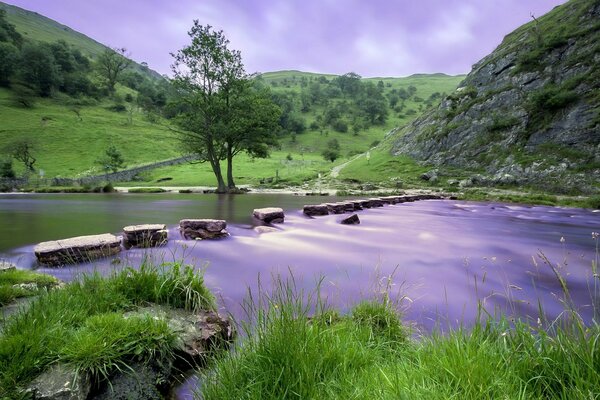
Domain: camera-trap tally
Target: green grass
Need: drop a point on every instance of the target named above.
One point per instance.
(82, 325)
(382, 167)
(297, 348)
(17, 276)
(70, 147)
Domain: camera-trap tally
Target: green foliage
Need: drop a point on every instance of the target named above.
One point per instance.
(112, 160)
(287, 355)
(6, 169)
(381, 319)
(108, 342)
(502, 122)
(14, 277)
(543, 104)
(76, 324)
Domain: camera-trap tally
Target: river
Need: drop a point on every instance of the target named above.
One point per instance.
(444, 256)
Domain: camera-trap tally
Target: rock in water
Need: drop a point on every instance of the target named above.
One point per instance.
(351, 220)
(60, 382)
(318, 209)
(203, 228)
(77, 249)
(147, 235)
(269, 215)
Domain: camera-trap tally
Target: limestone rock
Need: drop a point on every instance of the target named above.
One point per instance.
(60, 382)
(336, 208)
(318, 209)
(203, 228)
(77, 249)
(6, 266)
(147, 235)
(351, 220)
(269, 215)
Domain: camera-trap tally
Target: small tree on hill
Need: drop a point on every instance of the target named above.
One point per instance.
(111, 63)
(23, 149)
(332, 152)
(112, 160)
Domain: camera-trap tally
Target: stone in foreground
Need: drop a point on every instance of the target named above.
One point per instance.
(336, 208)
(6, 266)
(316, 209)
(269, 215)
(203, 228)
(77, 249)
(147, 235)
(351, 220)
(60, 382)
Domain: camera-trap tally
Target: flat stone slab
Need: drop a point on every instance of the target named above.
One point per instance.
(77, 249)
(269, 214)
(376, 202)
(6, 266)
(336, 208)
(197, 229)
(146, 235)
(315, 209)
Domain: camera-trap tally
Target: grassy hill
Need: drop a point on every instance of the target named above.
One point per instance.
(68, 146)
(34, 26)
(72, 133)
(299, 158)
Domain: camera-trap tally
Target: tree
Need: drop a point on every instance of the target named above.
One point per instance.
(23, 149)
(112, 160)
(6, 169)
(9, 57)
(111, 63)
(332, 152)
(220, 112)
(38, 68)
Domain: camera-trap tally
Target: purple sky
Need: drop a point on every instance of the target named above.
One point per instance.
(369, 37)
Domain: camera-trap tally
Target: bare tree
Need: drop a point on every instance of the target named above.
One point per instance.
(111, 63)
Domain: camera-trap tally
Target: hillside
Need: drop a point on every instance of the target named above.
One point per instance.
(34, 26)
(527, 114)
(299, 157)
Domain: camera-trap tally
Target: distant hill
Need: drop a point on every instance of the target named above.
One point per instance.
(528, 113)
(38, 27)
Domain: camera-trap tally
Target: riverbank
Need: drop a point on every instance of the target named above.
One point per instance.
(297, 347)
(131, 332)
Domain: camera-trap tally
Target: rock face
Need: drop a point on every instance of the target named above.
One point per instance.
(148, 235)
(528, 113)
(269, 215)
(318, 209)
(203, 228)
(77, 249)
(60, 382)
(351, 220)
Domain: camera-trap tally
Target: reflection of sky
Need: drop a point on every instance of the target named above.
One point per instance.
(444, 255)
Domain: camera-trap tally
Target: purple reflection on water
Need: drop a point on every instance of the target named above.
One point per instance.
(445, 257)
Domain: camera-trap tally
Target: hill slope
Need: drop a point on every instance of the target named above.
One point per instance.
(528, 113)
(37, 27)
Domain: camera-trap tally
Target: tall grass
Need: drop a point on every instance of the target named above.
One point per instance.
(82, 325)
(297, 348)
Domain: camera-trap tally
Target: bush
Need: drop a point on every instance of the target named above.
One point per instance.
(339, 126)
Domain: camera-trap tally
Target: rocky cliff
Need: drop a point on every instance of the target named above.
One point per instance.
(528, 113)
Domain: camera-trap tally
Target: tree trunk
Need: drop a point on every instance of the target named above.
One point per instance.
(216, 167)
(230, 181)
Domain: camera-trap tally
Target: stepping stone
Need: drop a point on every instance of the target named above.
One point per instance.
(351, 220)
(376, 202)
(336, 208)
(269, 215)
(203, 228)
(147, 235)
(315, 209)
(78, 249)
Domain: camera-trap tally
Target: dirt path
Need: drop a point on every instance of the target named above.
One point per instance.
(335, 171)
